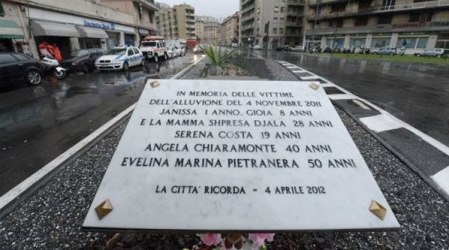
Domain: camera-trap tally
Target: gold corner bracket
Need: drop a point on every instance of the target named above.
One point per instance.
(103, 209)
(377, 209)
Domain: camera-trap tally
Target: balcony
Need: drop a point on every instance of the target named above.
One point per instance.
(149, 4)
(383, 28)
(248, 8)
(413, 6)
(294, 23)
(247, 27)
(382, 9)
(247, 17)
(296, 2)
(325, 2)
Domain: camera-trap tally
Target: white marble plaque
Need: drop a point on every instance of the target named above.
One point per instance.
(237, 155)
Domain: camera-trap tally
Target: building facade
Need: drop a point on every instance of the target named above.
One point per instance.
(407, 24)
(271, 24)
(74, 25)
(230, 30)
(210, 32)
(177, 23)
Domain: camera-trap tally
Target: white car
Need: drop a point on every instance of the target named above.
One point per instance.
(171, 51)
(120, 59)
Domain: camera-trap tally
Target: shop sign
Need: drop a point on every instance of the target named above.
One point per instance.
(99, 25)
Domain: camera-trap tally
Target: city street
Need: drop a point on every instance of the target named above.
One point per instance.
(37, 124)
(415, 93)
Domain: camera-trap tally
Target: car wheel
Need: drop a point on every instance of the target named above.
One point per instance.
(438, 55)
(60, 75)
(155, 58)
(142, 63)
(125, 66)
(392, 54)
(85, 69)
(33, 77)
(418, 55)
(165, 57)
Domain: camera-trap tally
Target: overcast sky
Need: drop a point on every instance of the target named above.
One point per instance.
(215, 8)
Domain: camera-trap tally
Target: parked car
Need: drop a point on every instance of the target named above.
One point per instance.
(256, 47)
(171, 52)
(120, 58)
(178, 50)
(16, 67)
(431, 52)
(183, 49)
(297, 49)
(154, 47)
(197, 49)
(82, 60)
(283, 48)
(387, 51)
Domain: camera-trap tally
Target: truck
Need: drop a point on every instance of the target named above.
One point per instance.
(154, 48)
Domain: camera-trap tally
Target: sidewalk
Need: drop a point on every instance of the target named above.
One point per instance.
(52, 216)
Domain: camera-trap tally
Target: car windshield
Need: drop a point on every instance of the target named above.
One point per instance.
(79, 53)
(116, 52)
(148, 44)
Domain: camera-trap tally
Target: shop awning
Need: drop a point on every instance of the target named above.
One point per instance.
(91, 32)
(10, 30)
(41, 28)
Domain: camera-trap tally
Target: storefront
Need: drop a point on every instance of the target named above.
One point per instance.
(381, 41)
(412, 42)
(78, 32)
(91, 37)
(9, 33)
(113, 39)
(56, 34)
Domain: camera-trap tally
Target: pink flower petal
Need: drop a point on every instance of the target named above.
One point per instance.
(210, 239)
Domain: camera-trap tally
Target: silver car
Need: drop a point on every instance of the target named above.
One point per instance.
(430, 52)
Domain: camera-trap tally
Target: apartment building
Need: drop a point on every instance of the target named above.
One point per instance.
(229, 31)
(271, 23)
(408, 24)
(210, 26)
(73, 25)
(199, 29)
(177, 22)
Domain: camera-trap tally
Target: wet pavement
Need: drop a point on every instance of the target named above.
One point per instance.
(415, 93)
(37, 124)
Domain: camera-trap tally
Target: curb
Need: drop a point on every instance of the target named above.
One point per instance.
(386, 128)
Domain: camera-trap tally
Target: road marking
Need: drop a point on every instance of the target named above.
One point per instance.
(361, 104)
(341, 96)
(34, 178)
(298, 71)
(380, 123)
(442, 179)
(306, 78)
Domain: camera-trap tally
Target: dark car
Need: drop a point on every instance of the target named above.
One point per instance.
(82, 60)
(16, 67)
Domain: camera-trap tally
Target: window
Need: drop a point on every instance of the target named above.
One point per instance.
(136, 51)
(281, 31)
(7, 58)
(336, 24)
(362, 21)
(414, 17)
(422, 43)
(363, 5)
(406, 43)
(275, 30)
(282, 9)
(2, 12)
(150, 17)
(21, 57)
(384, 19)
(130, 52)
(338, 7)
(380, 42)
